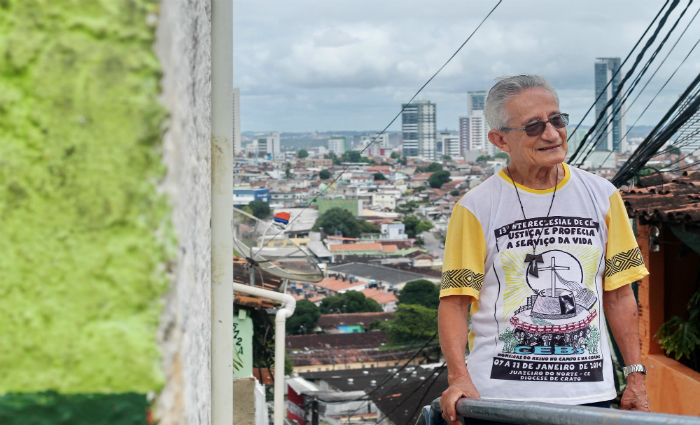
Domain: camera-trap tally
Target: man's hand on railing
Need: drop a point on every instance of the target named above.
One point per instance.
(459, 387)
(635, 395)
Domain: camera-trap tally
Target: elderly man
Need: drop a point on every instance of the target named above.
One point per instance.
(543, 253)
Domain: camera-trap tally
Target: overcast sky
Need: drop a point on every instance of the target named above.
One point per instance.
(331, 65)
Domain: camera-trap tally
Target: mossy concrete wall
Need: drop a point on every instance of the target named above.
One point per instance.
(83, 231)
(184, 49)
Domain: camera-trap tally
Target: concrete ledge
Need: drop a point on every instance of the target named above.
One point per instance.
(672, 387)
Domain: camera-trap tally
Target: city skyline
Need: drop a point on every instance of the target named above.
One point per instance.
(349, 66)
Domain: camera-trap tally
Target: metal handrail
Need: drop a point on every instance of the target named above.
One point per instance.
(527, 412)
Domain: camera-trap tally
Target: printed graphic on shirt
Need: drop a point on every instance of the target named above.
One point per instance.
(549, 301)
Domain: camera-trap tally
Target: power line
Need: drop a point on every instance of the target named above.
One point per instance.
(396, 117)
(618, 70)
(435, 377)
(620, 86)
(647, 83)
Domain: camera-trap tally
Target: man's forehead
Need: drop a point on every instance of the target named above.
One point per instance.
(533, 105)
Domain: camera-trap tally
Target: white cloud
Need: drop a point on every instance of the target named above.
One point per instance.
(348, 65)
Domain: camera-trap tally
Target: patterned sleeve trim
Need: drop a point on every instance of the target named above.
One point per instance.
(461, 278)
(619, 262)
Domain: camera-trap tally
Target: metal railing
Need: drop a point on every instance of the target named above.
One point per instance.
(525, 412)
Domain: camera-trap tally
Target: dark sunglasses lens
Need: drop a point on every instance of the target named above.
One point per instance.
(535, 129)
(559, 122)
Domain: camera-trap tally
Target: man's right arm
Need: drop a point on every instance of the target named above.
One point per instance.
(453, 328)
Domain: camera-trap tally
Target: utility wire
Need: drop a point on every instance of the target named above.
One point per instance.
(419, 405)
(620, 86)
(397, 116)
(619, 69)
(434, 377)
(637, 79)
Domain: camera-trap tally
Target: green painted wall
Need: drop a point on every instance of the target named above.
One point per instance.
(51, 408)
(243, 343)
(83, 233)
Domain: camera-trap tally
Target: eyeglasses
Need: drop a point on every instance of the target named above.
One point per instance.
(537, 128)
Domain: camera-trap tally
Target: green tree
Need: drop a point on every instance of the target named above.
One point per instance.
(407, 207)
(379, 176)
(341, 219)
(353, 156)
(395, 155)
(502, 155)
(420, 292)
(403, 161)
(446, 158)
(349, 302)
(288, 171)
(420, 188)
(437, 179)
(288, 365)
(303, 154)
(247, 209)
(413, 324)
(304, 319)
(324, 175)
(674, 150)
(430, 168)
(454, 193)
(483, 158)
(260, 209)
(416, 226)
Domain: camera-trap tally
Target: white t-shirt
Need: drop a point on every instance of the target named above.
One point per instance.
(526, 344)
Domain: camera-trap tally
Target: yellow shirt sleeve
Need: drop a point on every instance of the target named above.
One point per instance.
(465, 255)
(623, 260)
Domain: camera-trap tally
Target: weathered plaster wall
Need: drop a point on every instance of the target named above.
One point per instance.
(183, 47)
(83, 231)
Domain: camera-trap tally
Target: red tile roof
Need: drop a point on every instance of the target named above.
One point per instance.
(380, 296)
(356, 247)
(673, 201)
(337, 284)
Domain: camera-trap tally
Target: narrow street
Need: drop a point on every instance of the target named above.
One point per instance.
(432, 244)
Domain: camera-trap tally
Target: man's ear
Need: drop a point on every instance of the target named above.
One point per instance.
(496, 138)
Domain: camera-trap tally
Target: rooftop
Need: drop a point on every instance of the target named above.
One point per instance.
(379, 273)
(675, 201)
(356, 247)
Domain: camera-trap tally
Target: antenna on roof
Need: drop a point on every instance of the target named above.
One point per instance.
(287, 261)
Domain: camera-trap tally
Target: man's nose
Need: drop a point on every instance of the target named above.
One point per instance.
(550, 133)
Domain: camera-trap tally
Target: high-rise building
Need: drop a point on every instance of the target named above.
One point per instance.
(609, 137)
(473, 129)
(337, 145)
(236, 121)
(479, 133)
(418, 125)
(378, 147)
(476, 99)
(270, 145)
(463, 135)
(448, 144)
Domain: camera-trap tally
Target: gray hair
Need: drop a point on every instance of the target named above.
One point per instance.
(507, 88)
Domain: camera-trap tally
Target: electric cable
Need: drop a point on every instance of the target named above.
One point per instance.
(396, 117)
(620, 86)
(627, 109)
(419, 405)
(434, 377)
(663, 131)
(620, 67)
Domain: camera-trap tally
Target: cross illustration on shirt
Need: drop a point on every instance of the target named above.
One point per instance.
(553, 268)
